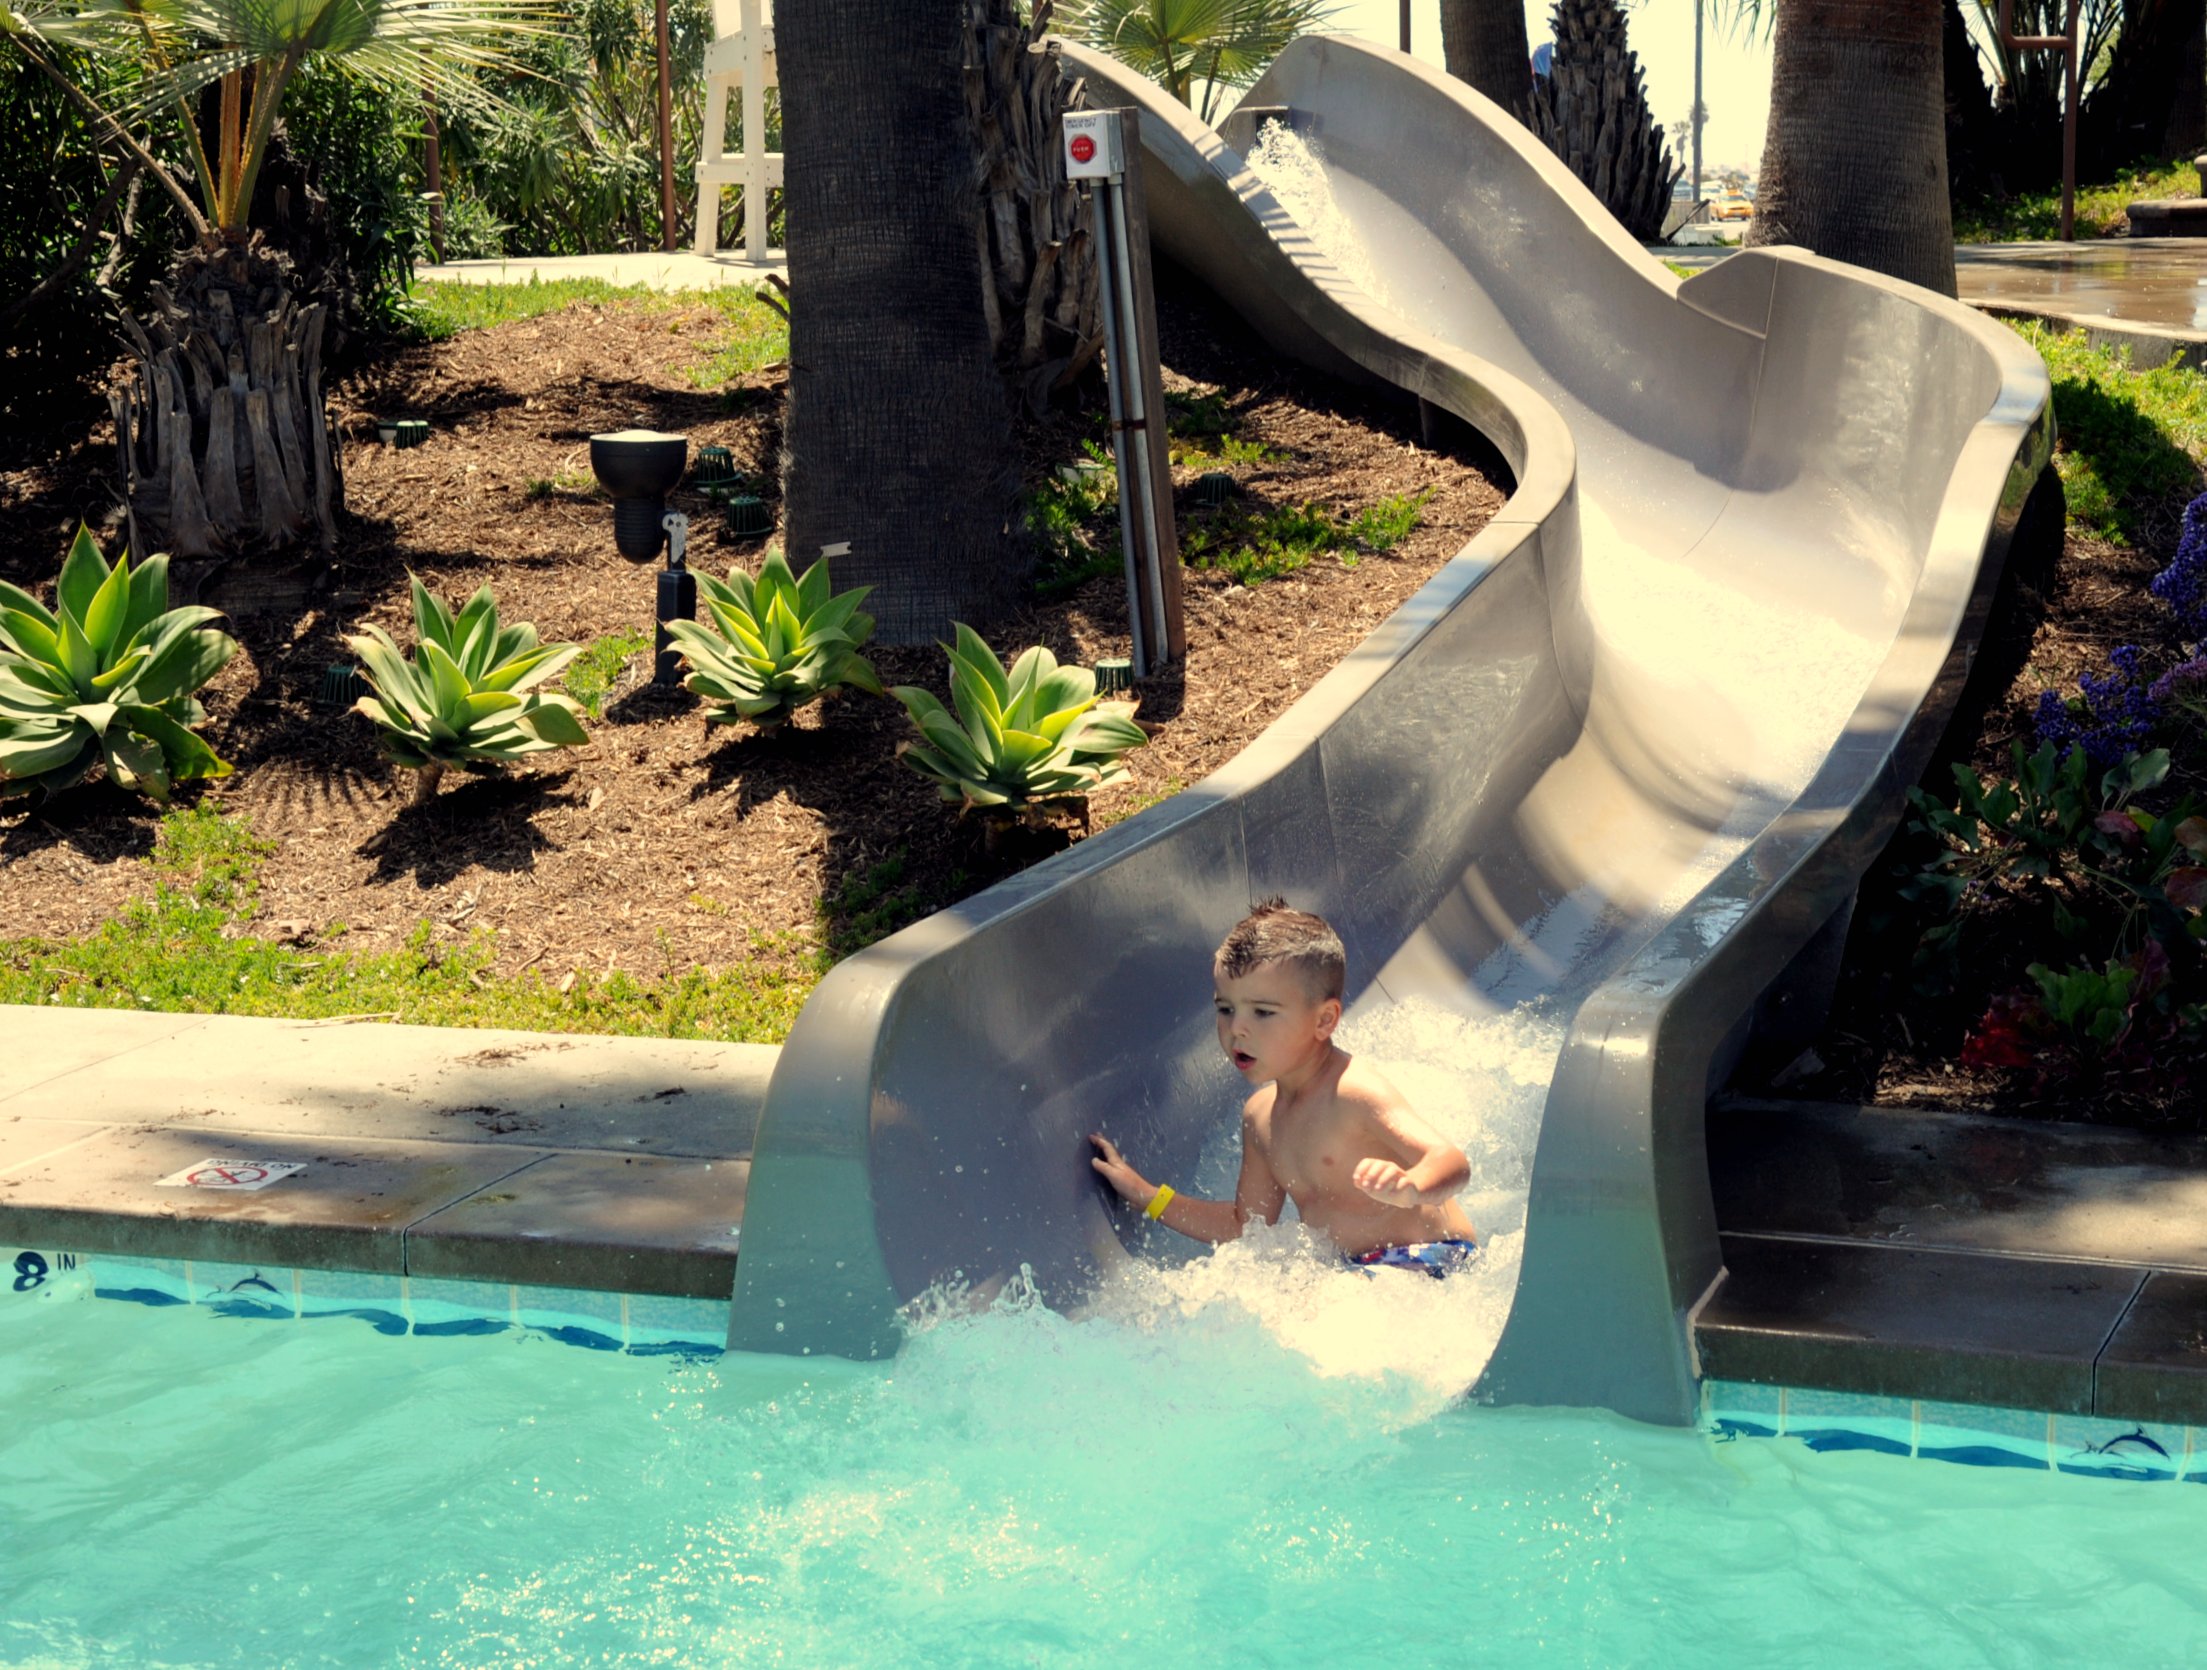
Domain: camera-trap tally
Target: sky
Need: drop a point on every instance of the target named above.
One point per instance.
(1735, 68)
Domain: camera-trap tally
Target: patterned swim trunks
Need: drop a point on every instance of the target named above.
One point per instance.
(1433, 1258)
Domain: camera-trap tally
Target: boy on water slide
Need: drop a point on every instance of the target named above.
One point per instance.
(1322, 1129)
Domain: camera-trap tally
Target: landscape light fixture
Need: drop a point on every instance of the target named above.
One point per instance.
(638, 467)
(677, 601)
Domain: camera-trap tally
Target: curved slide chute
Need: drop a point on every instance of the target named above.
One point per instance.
(1628, 752)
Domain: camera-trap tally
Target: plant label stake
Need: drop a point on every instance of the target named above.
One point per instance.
(677, 600)
(1104, 147)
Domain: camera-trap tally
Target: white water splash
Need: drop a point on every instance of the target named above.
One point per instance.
(1296, 173)
(1415, 1343)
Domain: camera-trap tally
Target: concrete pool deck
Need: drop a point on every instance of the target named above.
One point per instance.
(614, 1164)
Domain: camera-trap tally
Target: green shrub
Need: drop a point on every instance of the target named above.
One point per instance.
(108, 674)
(774, 643)
(466, 698)
(1018, 741)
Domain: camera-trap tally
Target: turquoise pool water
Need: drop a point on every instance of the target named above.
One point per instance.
(1193, 1473)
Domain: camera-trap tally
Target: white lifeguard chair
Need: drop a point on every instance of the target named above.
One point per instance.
(740, 59)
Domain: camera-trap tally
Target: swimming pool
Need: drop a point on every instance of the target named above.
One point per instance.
(1191, 1473)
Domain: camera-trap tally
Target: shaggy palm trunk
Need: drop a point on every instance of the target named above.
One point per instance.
(1854, 160)
(1483, 42)
(224, 443)
(1592, 111)
(1042, 297)
(2150, 102)
(898, 453)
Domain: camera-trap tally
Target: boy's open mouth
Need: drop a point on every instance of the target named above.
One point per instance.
(1243, 1059)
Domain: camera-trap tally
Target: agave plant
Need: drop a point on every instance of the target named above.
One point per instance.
(467, 696)
(107, 674)
(775, 643)
(1019, 739)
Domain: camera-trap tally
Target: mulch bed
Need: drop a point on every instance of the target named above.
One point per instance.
(668, 844)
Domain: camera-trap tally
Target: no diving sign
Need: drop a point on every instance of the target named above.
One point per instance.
(238, 1175)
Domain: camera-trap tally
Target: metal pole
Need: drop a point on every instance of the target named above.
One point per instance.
(1697, 104)
(1405, 25)
(1115, 384)
(1137, 418)
(2065, 44)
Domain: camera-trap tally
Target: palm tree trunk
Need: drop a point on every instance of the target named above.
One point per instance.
(1483, 42)
(898, 433)
(225, 443)
(1043, 301)
(2149, 104)
(1854, 160)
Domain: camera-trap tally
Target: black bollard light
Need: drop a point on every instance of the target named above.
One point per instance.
(677, 601)
(638, 467)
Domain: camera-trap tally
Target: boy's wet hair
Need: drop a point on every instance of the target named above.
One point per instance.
(1274, 933)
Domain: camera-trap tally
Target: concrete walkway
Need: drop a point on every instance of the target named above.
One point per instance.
(612, 1164)
(681, 270)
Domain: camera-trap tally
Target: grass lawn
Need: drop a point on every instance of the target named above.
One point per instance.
(185, 949)
(2099, 208)
(2129, 440)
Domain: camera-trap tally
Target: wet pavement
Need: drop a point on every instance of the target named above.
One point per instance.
(2160, 282)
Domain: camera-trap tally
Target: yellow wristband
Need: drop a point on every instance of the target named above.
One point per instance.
(1159, 1201)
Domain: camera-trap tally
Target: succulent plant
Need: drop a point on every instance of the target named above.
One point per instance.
(107, 674)
(774, 643)
(467, 696)
(1019, 739)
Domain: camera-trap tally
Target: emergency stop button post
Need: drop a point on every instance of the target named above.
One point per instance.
(1093, 150)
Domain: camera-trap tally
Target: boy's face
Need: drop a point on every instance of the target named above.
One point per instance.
(1269, 1022)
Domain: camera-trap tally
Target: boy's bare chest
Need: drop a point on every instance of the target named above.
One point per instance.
(1312, 1150)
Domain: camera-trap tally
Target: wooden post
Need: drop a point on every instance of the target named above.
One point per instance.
(666, 128)
(433, 166)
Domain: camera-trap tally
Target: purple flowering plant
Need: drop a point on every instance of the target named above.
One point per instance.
(2115, 715)
(2183, 584)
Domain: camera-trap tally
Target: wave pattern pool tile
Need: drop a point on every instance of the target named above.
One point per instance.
(266, 1287)
(1979, 1435)
(344, 1211)
(2155, 1368)
(1956, 1327)
(655, 1319)
(616, 1223)
(573, 1316)
(1850, 1421)
(2118, 1449)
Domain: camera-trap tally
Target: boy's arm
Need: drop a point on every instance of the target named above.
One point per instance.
(1257, 1194)
(1438, 1170)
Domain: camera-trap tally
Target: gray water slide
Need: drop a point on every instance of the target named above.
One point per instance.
(1627, 753)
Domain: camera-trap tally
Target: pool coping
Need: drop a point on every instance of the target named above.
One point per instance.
(1910, 1255)
(614, 1165)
